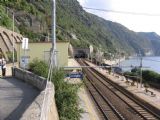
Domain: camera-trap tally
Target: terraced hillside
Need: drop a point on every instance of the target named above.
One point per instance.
(7, 37)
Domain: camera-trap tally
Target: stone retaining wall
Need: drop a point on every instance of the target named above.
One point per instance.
(7, 37)
(31, 78)
(33, 112)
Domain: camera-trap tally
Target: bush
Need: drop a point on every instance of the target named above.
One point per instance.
(148, 76)
(151, 76)
(66, 97)
(136, 70)
(10, 56)
(65, 94)
(39, 67)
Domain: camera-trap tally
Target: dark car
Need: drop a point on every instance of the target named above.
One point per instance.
(117, 70)
(105, 66)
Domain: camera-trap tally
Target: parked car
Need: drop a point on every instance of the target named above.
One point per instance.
(117, 70)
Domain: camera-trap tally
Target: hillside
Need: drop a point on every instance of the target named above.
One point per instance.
(154, 39)
(33, 19)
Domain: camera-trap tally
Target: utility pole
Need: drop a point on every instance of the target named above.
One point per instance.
(13, 60)
(54, 33)
(141, 71)
(119, 57)
(140, 55)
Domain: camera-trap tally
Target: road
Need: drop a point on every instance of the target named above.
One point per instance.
(15, 97)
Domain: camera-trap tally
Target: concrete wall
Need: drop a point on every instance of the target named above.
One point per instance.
(35, 111)
(31, 78)
(41, 51)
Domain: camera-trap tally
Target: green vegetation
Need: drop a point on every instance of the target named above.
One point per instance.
(5, 20)
(35, 21)
(20, 5)
(30, 17)
(66, 97)
(149, 77)
(65, 94)
(10, 56)
(39, 67)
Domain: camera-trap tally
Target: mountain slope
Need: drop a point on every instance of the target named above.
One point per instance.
(154, 39)
(100, 32)
(33, 19)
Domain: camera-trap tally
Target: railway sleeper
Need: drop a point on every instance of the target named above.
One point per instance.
(108, 109)
(111, 116)
(104, 105)
(144, 113)
(149, 116)
(141, 110)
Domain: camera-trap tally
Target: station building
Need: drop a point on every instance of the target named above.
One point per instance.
(41, 51)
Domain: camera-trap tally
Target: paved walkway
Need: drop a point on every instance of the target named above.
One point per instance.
(15, 97)
(140, 92)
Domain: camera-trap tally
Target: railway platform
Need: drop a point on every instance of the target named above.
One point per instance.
(140, 92)
(85, 101)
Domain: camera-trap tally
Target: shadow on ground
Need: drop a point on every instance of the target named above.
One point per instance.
(15, 98)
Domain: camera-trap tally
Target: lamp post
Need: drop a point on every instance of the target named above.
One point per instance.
(13, 60)
(54, 33)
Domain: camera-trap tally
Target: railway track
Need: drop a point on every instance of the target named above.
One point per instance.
(114, 102)
(107, 110)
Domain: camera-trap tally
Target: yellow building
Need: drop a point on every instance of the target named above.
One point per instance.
(41, 51)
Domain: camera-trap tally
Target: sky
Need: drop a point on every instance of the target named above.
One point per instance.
(137, 23)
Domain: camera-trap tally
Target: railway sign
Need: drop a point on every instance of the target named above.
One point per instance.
(76, 75)
(24, 61)
(25, 43)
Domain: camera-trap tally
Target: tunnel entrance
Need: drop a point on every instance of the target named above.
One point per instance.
(81, 52)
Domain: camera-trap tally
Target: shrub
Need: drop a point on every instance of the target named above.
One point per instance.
(151, 76)
(10, 56)
(66, 97)
(136, 70)
(65, 94)
(39, 67)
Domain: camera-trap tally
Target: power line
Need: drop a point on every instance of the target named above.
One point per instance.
(146, 59)
(116, 11)
(63, 29)
(121, 12)
(151, 60)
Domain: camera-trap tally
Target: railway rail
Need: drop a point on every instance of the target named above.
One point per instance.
(114, 102)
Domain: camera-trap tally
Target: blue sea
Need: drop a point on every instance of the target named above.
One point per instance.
(151, 63)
